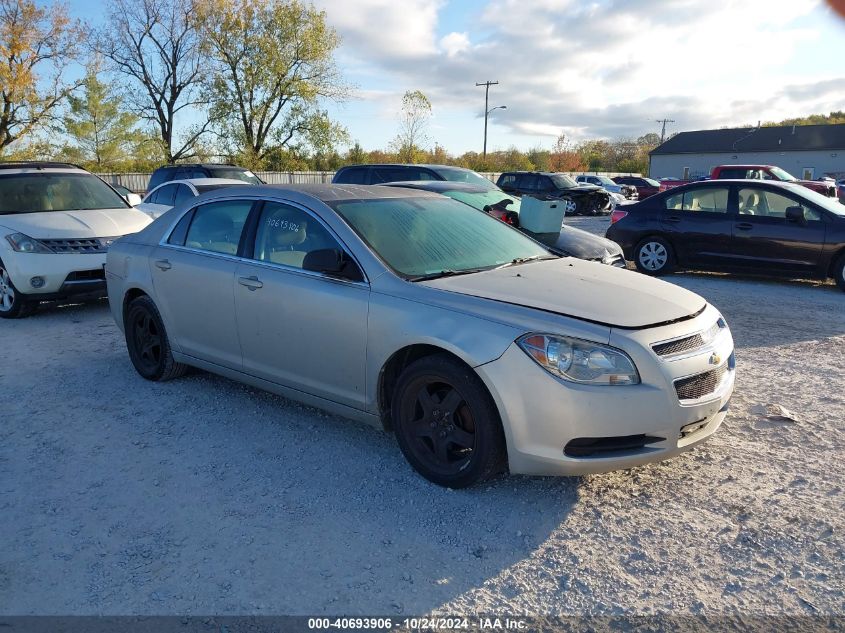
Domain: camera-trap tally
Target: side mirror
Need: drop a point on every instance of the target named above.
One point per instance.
(332, 262)
(796, 214)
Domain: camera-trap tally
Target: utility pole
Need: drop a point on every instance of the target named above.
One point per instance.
(486, 85)
(663, 130)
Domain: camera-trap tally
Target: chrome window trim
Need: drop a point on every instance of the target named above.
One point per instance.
(163, 243)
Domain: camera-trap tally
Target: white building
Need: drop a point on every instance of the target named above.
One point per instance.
(805, 151)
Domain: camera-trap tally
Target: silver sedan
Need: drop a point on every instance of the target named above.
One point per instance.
(477, 347)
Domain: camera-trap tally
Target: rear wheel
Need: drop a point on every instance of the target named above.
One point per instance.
(147, 342)
(13, 304)
(569, 206)
(654, 256)
(447, 424)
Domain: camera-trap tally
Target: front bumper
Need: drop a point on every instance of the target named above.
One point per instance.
(543, 415)
(64, 275)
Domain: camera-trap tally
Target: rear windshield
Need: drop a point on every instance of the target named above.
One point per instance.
(453, 174)
(56, 191)
(204, 188)
(235, 174)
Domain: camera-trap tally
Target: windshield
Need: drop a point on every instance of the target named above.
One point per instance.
(652, 182)
(830, 204)
(56, 191)
(606, 181)
(780, 174)
(480, 199)
(453, 174)
(562, 181)
(427, 236)
(235, 174)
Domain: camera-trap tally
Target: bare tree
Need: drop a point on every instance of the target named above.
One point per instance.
(36, 47)
(413, 125)
(155, 45)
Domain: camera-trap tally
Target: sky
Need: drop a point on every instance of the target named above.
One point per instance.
(600, 69)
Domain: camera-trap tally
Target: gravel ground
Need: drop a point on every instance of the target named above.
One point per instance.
(202, 496)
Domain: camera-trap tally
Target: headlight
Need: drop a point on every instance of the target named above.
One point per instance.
(580, 361)
(25, 244)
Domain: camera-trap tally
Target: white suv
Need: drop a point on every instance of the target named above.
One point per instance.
(56, 224)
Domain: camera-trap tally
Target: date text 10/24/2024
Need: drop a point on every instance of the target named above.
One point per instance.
(420, 624)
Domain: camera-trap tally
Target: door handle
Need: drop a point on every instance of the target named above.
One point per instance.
(672, 218)
(163, 264)
(744, 226)
(250, 282)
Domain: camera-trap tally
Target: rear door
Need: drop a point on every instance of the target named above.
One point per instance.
(698, 223)
(194, 277)
(298, 328)
(764, 238)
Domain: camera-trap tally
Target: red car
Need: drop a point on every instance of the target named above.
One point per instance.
(645, 186)
(769, 172)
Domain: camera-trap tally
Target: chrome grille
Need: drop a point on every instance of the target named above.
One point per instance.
(77, 246)
(700, 385)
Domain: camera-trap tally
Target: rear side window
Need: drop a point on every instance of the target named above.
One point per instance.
(352, 176)
(709, 200)
(180, 232)
(507, 180)
(217, 226)
(165, 195)
(395, 174)
(528, 182)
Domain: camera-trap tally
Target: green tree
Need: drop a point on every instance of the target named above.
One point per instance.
(413, 126)
(36, 47)
(102, 132)
(272, 62)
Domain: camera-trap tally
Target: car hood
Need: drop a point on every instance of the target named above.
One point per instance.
(76, 224)
(584, 290)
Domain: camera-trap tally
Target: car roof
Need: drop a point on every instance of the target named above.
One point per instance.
(39, 165)
(408, 165)
(206, 165)
(198, 182)
(326, 193)
(745, 166)
(740, 181)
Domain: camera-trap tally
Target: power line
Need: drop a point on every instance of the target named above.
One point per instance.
(663, 130)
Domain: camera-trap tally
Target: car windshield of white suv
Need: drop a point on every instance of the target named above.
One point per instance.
(56, 191)
(424, 238)
(464, 175)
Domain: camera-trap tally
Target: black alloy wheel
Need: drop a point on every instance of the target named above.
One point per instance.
(147, 342)
(446, 423)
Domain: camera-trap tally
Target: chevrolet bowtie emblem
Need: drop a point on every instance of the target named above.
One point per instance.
(715, 359)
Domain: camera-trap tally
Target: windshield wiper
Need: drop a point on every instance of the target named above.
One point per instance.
(446, 273)
(524, 260)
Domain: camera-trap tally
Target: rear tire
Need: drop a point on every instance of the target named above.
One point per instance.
(446, 423)
(13, 304)
(654, 256)
(147, 342)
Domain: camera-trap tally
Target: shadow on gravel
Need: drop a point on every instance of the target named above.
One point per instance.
(204, 496)
(765, 312)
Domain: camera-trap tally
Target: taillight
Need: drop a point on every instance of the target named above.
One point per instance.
(617, 215)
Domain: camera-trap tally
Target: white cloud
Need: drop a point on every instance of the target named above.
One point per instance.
(454, 43)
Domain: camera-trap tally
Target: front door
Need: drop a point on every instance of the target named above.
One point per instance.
(764, 238)
(299, 328)
(194, 277)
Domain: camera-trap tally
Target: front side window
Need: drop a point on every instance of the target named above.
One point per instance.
(709, 200)
(183, 193)
(285, 235)
(217, 226)
(760, 202)
(430, 236)
(56, 191)
(353, 176)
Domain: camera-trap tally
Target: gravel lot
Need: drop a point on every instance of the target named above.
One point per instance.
(201, 496)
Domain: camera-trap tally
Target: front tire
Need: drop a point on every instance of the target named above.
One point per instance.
(447, 424)
(147, 342)
(654, 256)
(13, 304)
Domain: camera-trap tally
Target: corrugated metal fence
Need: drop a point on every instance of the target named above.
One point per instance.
(138, 182)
